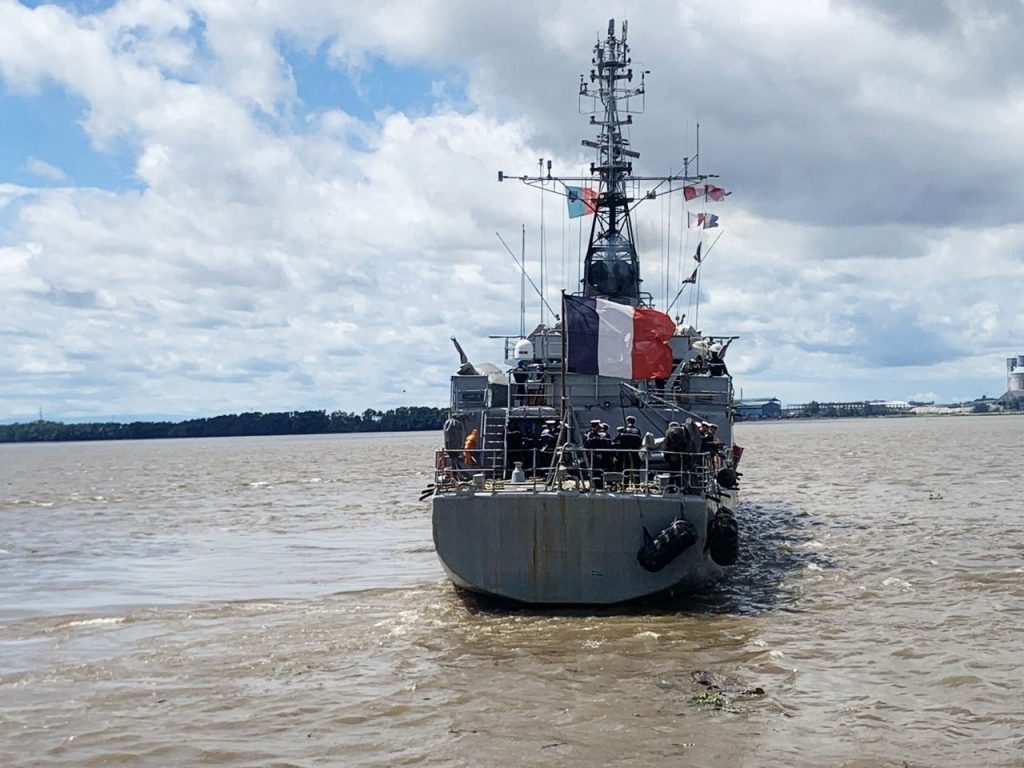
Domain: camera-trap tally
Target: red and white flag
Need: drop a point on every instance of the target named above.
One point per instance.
(716, 193)
(709, 190)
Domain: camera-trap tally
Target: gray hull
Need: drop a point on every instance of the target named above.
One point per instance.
(565, 547)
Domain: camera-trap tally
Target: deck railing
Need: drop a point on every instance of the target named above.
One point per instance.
(573, 467)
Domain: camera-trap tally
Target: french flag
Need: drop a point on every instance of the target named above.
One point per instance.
(611, 339)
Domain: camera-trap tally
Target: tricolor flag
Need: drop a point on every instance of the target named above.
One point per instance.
(692, 279)
(611, 339)
(582, 201)
(705, 220)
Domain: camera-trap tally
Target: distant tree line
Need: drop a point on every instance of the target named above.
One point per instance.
(405, 419)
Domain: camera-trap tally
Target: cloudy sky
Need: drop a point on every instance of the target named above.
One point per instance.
(211, 207)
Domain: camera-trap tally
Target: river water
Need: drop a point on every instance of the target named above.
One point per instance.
(277, 602)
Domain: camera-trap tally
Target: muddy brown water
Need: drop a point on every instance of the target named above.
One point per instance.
(277, 602)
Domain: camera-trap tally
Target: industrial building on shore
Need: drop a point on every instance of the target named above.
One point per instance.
(1014, 396)
(764, 408)
(758, 409)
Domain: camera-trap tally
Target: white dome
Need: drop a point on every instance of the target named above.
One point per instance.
(524, 350)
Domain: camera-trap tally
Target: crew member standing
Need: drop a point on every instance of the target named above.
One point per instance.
(675, 446)
(546, 444)
(595, 440)
(520, 375)
(716, 359)
(604, 444)
(469, 449)
(454, 438)
(709, 442)
(630, 440)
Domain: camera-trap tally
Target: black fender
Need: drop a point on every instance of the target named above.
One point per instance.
(723, 537)
(658, 551)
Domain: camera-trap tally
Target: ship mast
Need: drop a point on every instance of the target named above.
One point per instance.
(611, 268)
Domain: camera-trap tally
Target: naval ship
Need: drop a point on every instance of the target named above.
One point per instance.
(598, 466)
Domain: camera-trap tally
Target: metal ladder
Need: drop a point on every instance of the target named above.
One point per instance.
(494, 444)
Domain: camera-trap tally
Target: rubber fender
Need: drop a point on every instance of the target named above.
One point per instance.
(728, 478)
(658, 551)
(724, 537)
(670, 490)
(464, 489)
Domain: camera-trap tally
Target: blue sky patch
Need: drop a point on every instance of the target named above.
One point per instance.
(78, 7)
(379, 85)
(46, 125)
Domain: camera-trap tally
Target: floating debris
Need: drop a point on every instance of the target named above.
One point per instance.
(713, 699)
(716, 696)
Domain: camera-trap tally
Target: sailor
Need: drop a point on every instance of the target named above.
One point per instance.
(469, 448)
(691, 458)
(520, 374)
(704, 427)
(604, 445)
(675, 446)
(618, 462)
(630, 441)
(709, 442)
(454, 438)
(716, 362)
(592, 434)
(594, 443)
(546, 443)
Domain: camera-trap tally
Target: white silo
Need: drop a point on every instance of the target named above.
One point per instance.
(1015, 377)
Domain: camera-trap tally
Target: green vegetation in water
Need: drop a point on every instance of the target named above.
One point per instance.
(713, 699)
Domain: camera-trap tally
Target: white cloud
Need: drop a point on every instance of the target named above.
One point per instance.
(278, 259)
(44, 170)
